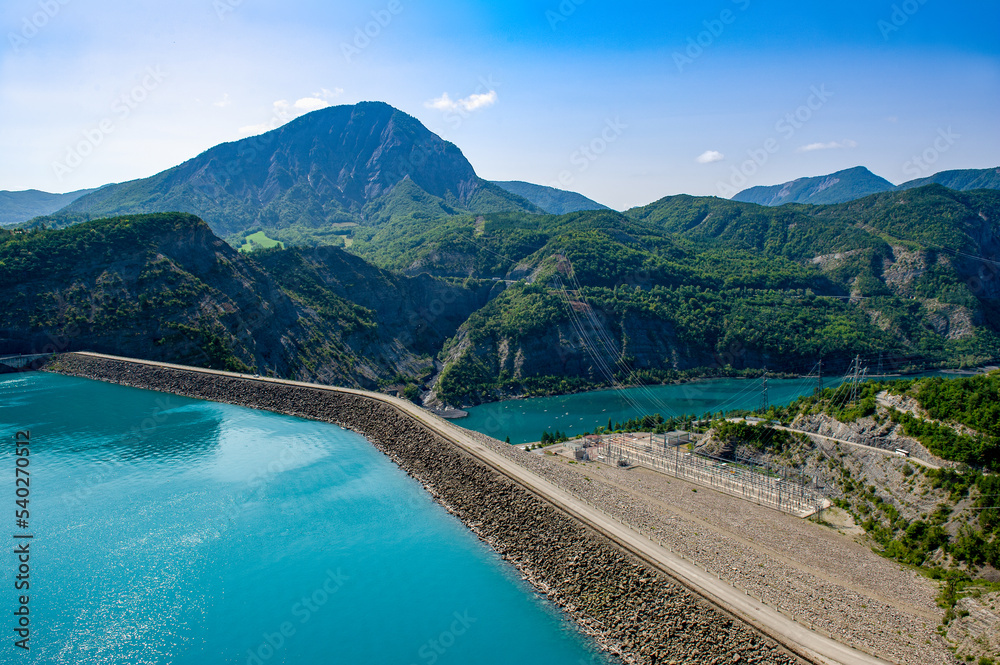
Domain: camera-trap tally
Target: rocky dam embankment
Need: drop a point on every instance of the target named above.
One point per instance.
(630, 608)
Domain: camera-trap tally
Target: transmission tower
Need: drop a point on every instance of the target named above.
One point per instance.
(763, 394)
(856, 378)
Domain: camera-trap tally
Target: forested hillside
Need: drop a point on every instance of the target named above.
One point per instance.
(549, 199)
(473, 307)
(944, 520)
(702, 285)
(164, 287)
(960, 179)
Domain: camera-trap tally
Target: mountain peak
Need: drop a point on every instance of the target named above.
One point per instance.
(845, 185)
(318, 170)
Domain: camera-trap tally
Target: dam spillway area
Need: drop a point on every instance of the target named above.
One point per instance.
(630, 608)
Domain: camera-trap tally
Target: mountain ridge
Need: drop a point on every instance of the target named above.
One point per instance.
(318, 170)
(959, 179)
(702, 286)
(550, 199)
(845, 185)
(472, 308)
(20, 206)
(858, 182)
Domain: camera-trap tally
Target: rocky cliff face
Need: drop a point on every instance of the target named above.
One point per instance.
(164, 287)
(599, 349)
(417, 314)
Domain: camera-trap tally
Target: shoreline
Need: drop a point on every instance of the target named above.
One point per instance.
(901, 376)
(628, 607)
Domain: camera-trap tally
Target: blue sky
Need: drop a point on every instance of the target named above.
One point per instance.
(625, 102)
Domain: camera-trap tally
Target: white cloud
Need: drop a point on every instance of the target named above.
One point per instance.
(284, 111)
(471, 103)
(307, 104)
(832, 145)
(710, 156)
(224, 102)
(253, 130)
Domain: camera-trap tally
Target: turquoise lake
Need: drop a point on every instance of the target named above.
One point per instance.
(183, 532)
(524, 420)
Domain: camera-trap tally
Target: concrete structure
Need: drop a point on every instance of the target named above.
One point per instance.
(675, 438)
(19, 362)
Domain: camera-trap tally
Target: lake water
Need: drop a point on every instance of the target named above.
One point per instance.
(524, 420)
(183, 532)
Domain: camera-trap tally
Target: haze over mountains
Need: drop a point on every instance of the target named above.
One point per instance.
(961, 179)
(837, 187)
(857, 182)
(17, 207)
(550, 199)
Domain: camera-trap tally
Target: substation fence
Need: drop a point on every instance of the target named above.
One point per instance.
(789, 495)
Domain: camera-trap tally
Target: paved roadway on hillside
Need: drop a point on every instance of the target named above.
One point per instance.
(883, 451)
(807, 643)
